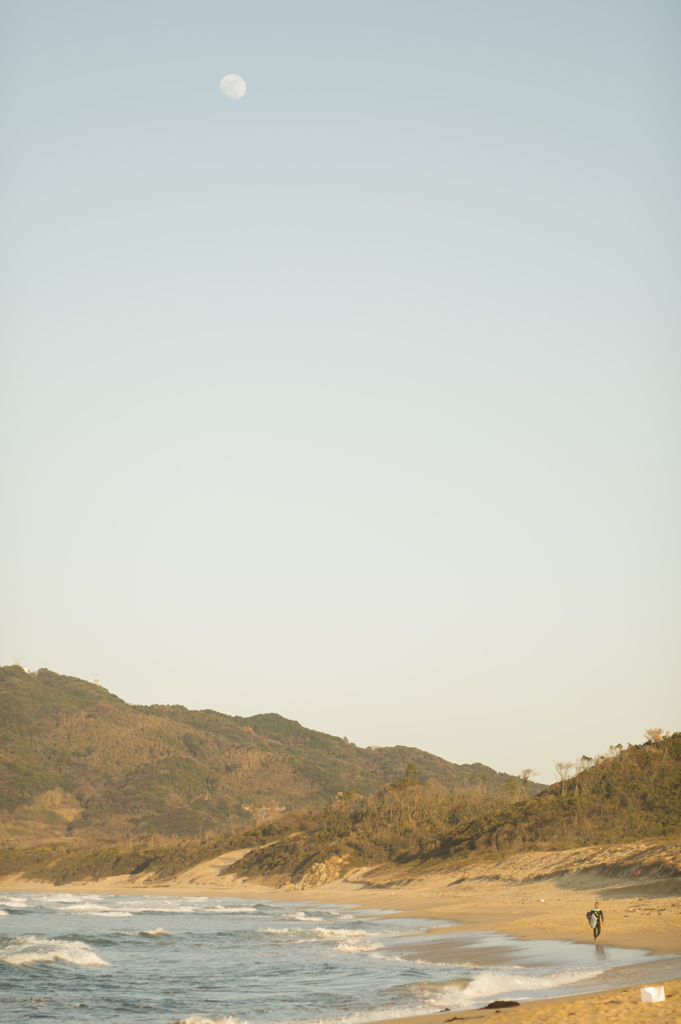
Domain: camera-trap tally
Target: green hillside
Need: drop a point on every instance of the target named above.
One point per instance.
(633, 794)
(77, 761)
(408, 823)
(91, 786)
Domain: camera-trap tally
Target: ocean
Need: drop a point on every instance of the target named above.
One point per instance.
(68, 958)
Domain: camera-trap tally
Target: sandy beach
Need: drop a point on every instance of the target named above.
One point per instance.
(514, 897)
(617, 1006)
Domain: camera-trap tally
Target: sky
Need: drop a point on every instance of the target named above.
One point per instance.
(355, 399)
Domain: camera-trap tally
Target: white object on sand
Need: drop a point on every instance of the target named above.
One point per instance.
(652, 994)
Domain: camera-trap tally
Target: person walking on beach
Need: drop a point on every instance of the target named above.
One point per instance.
(595, 917)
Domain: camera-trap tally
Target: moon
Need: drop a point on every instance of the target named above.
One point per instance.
(233, 87)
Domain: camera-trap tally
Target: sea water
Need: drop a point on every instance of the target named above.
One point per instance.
(69, 957)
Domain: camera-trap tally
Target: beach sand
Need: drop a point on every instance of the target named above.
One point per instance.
(525, 896)
(616, 1006)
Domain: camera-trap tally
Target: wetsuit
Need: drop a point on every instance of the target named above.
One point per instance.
(600, 917)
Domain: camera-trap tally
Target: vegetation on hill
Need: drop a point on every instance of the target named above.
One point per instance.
(625, 795)
(125, 789)
(64, 862)
(631, 794)
(79, 762)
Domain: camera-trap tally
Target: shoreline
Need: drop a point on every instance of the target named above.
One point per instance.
(588, 1006)
(644, 916)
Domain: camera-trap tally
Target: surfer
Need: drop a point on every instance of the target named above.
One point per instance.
(595, 917)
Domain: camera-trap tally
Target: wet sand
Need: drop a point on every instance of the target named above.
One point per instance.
(616, 1006)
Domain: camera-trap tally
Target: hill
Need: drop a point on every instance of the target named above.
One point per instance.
(79, 762)
(409, 827)
(627, 795)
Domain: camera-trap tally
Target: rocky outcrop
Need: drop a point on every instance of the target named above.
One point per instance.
(321, 873)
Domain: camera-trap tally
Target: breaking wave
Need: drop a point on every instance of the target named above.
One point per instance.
(359, 947)
(30, 949)
(461, 993)
(350, 935)
(197, 1018)
(66, 897)
(341, 933)
(185, 969)
(110, 913)
(200, 1019)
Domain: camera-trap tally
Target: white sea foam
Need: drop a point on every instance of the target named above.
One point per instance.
(493, 984)
(341, 933)
(490, 982)
(198, 1018)
(359, 947)
(379, 1013)
(313, 934)
(4, 913)
(182, 906)
(228, 910)
(67, 897)
(424, 963)
(30, 949)
(95, 910)
(109, 913)
(154, 932)
(13, 901)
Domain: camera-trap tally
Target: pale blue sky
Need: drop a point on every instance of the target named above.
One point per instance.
(355, 399)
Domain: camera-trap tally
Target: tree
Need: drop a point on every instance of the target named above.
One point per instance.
(582, 765)
(510, 785)
(655, 735)
(524, 778)
(410, 777)
(563, 772)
